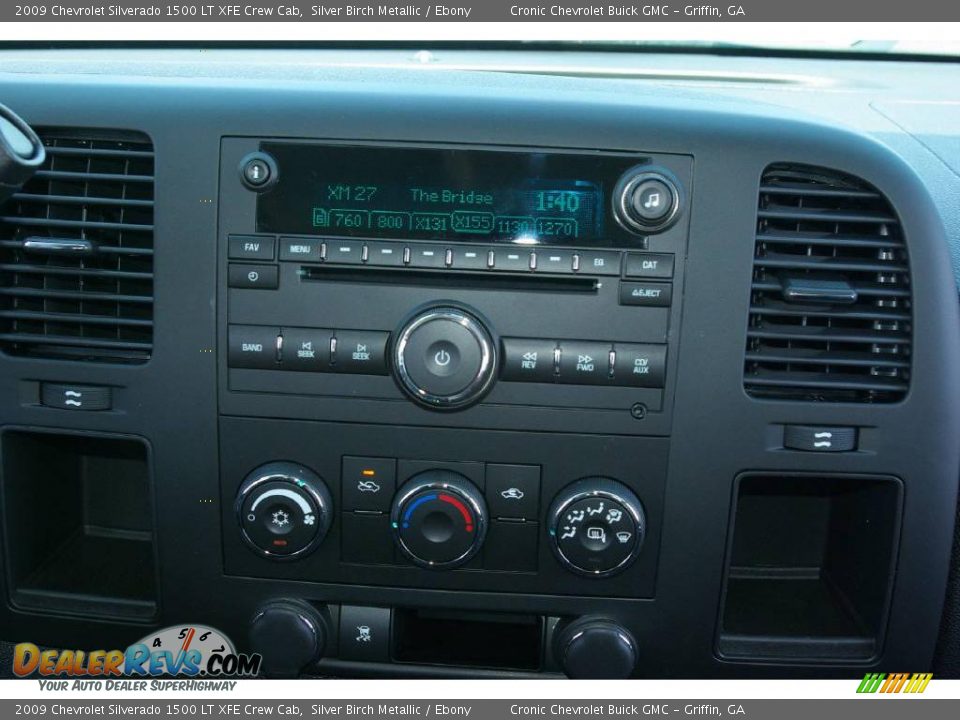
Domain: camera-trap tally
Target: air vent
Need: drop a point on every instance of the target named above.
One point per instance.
(76, 251)
(830, 313)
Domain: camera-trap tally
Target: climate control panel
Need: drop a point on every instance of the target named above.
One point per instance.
(348, 504)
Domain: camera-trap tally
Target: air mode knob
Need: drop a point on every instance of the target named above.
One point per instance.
(444, 358)
(646, 200)
(439, 519)
(596, 649)
(284, 510)
(596, 527)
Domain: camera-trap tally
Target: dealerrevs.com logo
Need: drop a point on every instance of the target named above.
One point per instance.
(192, 651)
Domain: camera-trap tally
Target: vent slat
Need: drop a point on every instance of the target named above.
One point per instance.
(76, 251)
(101, 250)
(74, 271)
(80, 224)
(833, 216)
(821, 228)
(76, 319)
(818, 239)
(99, 152)
(92, 177)
(776, 308)
(80, 295)
(828, 264)
(799, 190)
(80, 200)
(819, 357)
(70, 341)
(829, 382)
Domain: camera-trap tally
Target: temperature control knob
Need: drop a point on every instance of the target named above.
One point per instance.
(439, 519)
(596, 527)
(284, 510)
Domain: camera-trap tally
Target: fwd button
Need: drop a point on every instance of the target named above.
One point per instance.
(584, 363)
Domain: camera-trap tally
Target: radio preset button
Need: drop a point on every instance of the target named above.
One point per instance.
(528, 360)
(649, 265)
(513, 260)
(250, 247)
(597, 262)
(384, 255)
(252, 346)
(470, 258)
(427, 256)
(306, 349)
(640, 365)
(255, 277)
(362, 352)
(554, 261)
(646, 294)
(345, 252)
(584, 363)
(301, 249)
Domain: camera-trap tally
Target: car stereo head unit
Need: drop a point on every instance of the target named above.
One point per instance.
(513, 287)
(461, 195)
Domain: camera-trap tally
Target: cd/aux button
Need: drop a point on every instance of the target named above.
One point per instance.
(640, 365)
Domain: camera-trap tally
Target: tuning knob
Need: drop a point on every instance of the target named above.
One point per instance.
(289, 634)
(596, 527)
(284, 510)
(595, 648)
(439, 519)
(646, 200)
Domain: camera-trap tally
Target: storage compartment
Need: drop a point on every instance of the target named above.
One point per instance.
(79, 524)
(810, 567)
(488, 640)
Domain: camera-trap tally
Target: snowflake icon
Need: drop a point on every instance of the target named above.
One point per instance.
(280, 518)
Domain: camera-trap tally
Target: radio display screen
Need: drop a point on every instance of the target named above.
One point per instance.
(450, 194)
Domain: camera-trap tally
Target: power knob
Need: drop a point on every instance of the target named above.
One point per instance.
(646, 200)
(444, 358)
(284, 510)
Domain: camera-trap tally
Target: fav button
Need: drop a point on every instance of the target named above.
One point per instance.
(251, 247)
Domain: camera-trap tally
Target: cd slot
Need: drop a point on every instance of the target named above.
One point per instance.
(450, 278)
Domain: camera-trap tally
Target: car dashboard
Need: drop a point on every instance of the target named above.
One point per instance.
(485, 363)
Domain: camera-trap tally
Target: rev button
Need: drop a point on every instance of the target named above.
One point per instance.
(527, 360)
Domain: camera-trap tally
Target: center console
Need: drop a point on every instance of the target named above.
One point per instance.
(450, 304)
